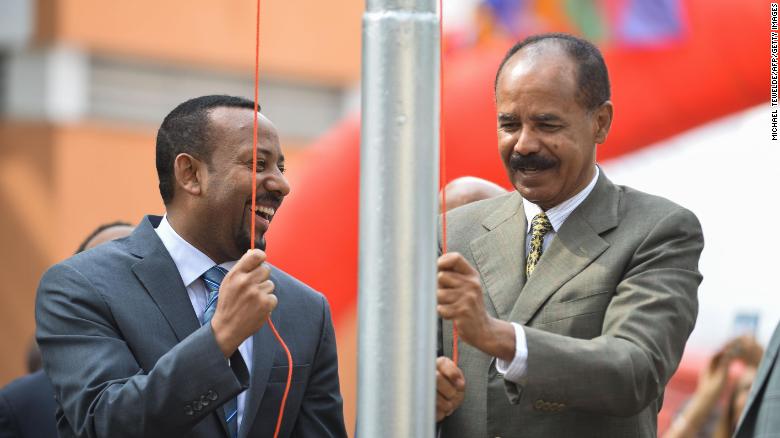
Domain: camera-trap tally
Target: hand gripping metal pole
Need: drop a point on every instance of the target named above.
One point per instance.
(398, 209)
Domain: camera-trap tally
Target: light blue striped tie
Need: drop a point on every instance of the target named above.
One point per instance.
(212, 279)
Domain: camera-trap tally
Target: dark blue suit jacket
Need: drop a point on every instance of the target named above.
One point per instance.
(27, 408)
(128, 358)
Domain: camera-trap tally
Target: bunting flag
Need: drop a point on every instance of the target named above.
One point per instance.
(620, 22)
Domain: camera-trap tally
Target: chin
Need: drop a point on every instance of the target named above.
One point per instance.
(529, 193)
(242, 243)
(533, 195)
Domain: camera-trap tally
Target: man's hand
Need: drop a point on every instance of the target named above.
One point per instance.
(714, 377)
(746, 349)
(450, 387)
(246, 299)
(459, 298)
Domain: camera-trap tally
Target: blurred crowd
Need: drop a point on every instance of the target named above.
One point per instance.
(721, 394)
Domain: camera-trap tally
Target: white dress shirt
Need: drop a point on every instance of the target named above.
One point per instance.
(192, 264)
(515, 370)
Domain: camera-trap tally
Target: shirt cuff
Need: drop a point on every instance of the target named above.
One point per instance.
(515, 370)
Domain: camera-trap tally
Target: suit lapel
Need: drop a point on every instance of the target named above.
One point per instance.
(574, 247)
(576, 244)
(263, 351)
(764, 370)
(499, 257)
(161, 279)
(264, 348)
(159, 275)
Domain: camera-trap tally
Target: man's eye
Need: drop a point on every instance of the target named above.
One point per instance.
(260, 166)
(282, 169)
(548, 127)
(509, 126)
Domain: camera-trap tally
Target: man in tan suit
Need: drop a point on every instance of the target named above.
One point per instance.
(573, 296)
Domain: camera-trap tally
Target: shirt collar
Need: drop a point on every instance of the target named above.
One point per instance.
(190, 261)
(558, 214)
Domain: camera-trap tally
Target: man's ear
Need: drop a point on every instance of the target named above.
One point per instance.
(602, 121)
(189, 174)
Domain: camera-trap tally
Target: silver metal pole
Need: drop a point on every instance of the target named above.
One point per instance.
(398, 207)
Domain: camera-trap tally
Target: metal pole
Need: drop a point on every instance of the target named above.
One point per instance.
(398, 208)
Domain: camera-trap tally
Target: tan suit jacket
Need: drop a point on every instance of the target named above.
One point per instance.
(607, 313)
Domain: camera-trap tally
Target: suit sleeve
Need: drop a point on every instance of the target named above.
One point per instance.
(644, 331)
(321, 413)
(98, 383)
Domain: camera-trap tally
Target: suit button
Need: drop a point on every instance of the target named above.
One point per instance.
(212, 395)
(538, 405)
(188, 410)
(204, 401)
(197, 406)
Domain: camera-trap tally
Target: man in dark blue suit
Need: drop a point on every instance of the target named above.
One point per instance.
(27, 404)
(165, 333)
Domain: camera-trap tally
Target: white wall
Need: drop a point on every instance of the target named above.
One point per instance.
(728, 173)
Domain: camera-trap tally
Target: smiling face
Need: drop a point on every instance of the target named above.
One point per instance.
(225, 204)
(546, 138)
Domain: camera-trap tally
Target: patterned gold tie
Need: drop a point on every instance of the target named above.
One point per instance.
(540, 226)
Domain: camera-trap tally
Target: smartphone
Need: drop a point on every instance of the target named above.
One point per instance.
(745, 323)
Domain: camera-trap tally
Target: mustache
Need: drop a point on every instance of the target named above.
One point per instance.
(535, 161)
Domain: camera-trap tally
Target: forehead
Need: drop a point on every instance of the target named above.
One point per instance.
(231, 129)
(538, 76)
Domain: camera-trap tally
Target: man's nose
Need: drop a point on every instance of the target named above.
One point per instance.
(527, 143)
(277, 183)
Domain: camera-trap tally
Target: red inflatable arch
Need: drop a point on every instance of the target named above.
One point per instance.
(718, 67)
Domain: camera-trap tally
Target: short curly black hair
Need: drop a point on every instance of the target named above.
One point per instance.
(186, 130)
(592, 77)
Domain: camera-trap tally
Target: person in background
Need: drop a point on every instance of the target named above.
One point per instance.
(106, 233)
(468, 189)
(33, 359)
(27, 405)
(701, 416)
